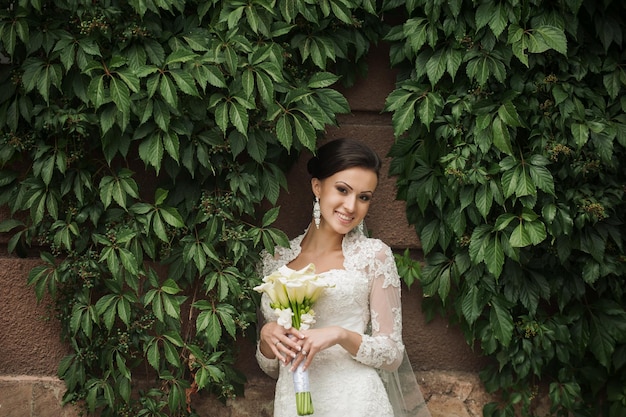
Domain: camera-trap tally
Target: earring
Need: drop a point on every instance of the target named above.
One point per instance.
(316, 212)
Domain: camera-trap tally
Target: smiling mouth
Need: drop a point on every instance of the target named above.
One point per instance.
(344, 218)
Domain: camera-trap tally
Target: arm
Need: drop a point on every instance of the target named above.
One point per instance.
(384, 349)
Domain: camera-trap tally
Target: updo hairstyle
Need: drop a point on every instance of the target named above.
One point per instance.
(340, 154)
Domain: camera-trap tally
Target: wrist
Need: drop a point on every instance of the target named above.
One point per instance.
(349, 340)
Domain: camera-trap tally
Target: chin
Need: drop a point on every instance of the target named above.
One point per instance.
(343, 229)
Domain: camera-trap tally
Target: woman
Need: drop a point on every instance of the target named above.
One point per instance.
(354, 351)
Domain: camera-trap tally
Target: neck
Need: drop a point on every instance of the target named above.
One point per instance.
(322, 240)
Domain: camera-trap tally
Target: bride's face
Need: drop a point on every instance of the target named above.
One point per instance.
(345, 197)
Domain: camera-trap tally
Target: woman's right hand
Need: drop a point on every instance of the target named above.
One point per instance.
(278, 342)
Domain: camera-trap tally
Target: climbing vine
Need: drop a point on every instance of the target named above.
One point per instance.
(141, 139)
(139, 142)
(510, 121)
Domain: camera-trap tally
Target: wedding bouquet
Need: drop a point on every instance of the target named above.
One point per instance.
(292, 294)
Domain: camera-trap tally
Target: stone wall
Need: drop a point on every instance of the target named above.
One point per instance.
(446, 367)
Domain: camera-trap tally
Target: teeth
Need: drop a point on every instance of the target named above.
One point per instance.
(343, 217)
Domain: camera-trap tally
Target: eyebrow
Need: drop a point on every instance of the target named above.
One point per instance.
(348, 185)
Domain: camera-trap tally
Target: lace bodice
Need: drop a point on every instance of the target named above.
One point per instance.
(365, 298)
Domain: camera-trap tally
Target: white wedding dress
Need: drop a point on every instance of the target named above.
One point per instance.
(364, 298)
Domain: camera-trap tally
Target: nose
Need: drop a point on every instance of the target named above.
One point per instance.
(349, 203)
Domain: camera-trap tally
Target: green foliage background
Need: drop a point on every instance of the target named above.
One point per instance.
(140, 139)
(511, 143)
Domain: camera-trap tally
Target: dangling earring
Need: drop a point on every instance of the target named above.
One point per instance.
(361, 228)
(316, 212)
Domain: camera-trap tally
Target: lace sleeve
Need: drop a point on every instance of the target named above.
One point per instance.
(264, 314)
(383, 349)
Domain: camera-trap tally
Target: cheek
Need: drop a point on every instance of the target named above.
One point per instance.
(364, 207)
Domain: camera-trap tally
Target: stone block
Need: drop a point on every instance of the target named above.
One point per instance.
(48, 398)
(443, 406)
(15, 399)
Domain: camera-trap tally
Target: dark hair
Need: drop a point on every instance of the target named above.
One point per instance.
(340, 154)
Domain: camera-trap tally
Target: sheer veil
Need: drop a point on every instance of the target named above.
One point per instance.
(402, 388)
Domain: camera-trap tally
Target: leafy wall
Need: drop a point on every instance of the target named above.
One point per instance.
(511, 141)
(139, 139)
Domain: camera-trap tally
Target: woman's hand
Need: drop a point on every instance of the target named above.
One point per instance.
(316, 340)
(278, 342)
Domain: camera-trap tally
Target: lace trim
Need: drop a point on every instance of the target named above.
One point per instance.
(379, 352)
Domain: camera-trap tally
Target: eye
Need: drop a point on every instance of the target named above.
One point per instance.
(365, 197)
(342, 190)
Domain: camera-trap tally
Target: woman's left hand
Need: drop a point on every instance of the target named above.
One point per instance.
(316, 340)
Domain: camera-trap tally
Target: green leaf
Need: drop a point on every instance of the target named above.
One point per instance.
(322, 79)
(472, 305)
(542, 178)
(508, 114)
(498, 20)
(172, 216)
(284, 131)
(151, 151)
(171, 144)
(7, 225)
(436, 66)
(403, 118)
(171, 306)
(501, 136)
(428, 108)
(226, 317)
(160, 195)
(129, 261)
(536, 231)
(520, 237)
(484, 13)
(185, 82)
(170, 287)
(159, 228)
(484, 200)
(221, 116)
(494, 256)
(552, 37)
(501, 321)
(580, 131)
(429, 235)
(504, 220)
(153, 354)
(601, 343)
(180, 55)
(238, 116)
(304, 132)
(120, 94)
(168, 91)
(208, 323)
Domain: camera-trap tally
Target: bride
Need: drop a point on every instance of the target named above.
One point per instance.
(354, 353)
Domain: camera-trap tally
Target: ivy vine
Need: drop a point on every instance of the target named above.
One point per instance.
(510, 121)
(139, 141)
(140, 138)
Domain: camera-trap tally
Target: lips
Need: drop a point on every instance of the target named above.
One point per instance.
(343, 218)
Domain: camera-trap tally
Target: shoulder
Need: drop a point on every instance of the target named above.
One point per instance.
(373, 245)
(370, 250)
(373, 257)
